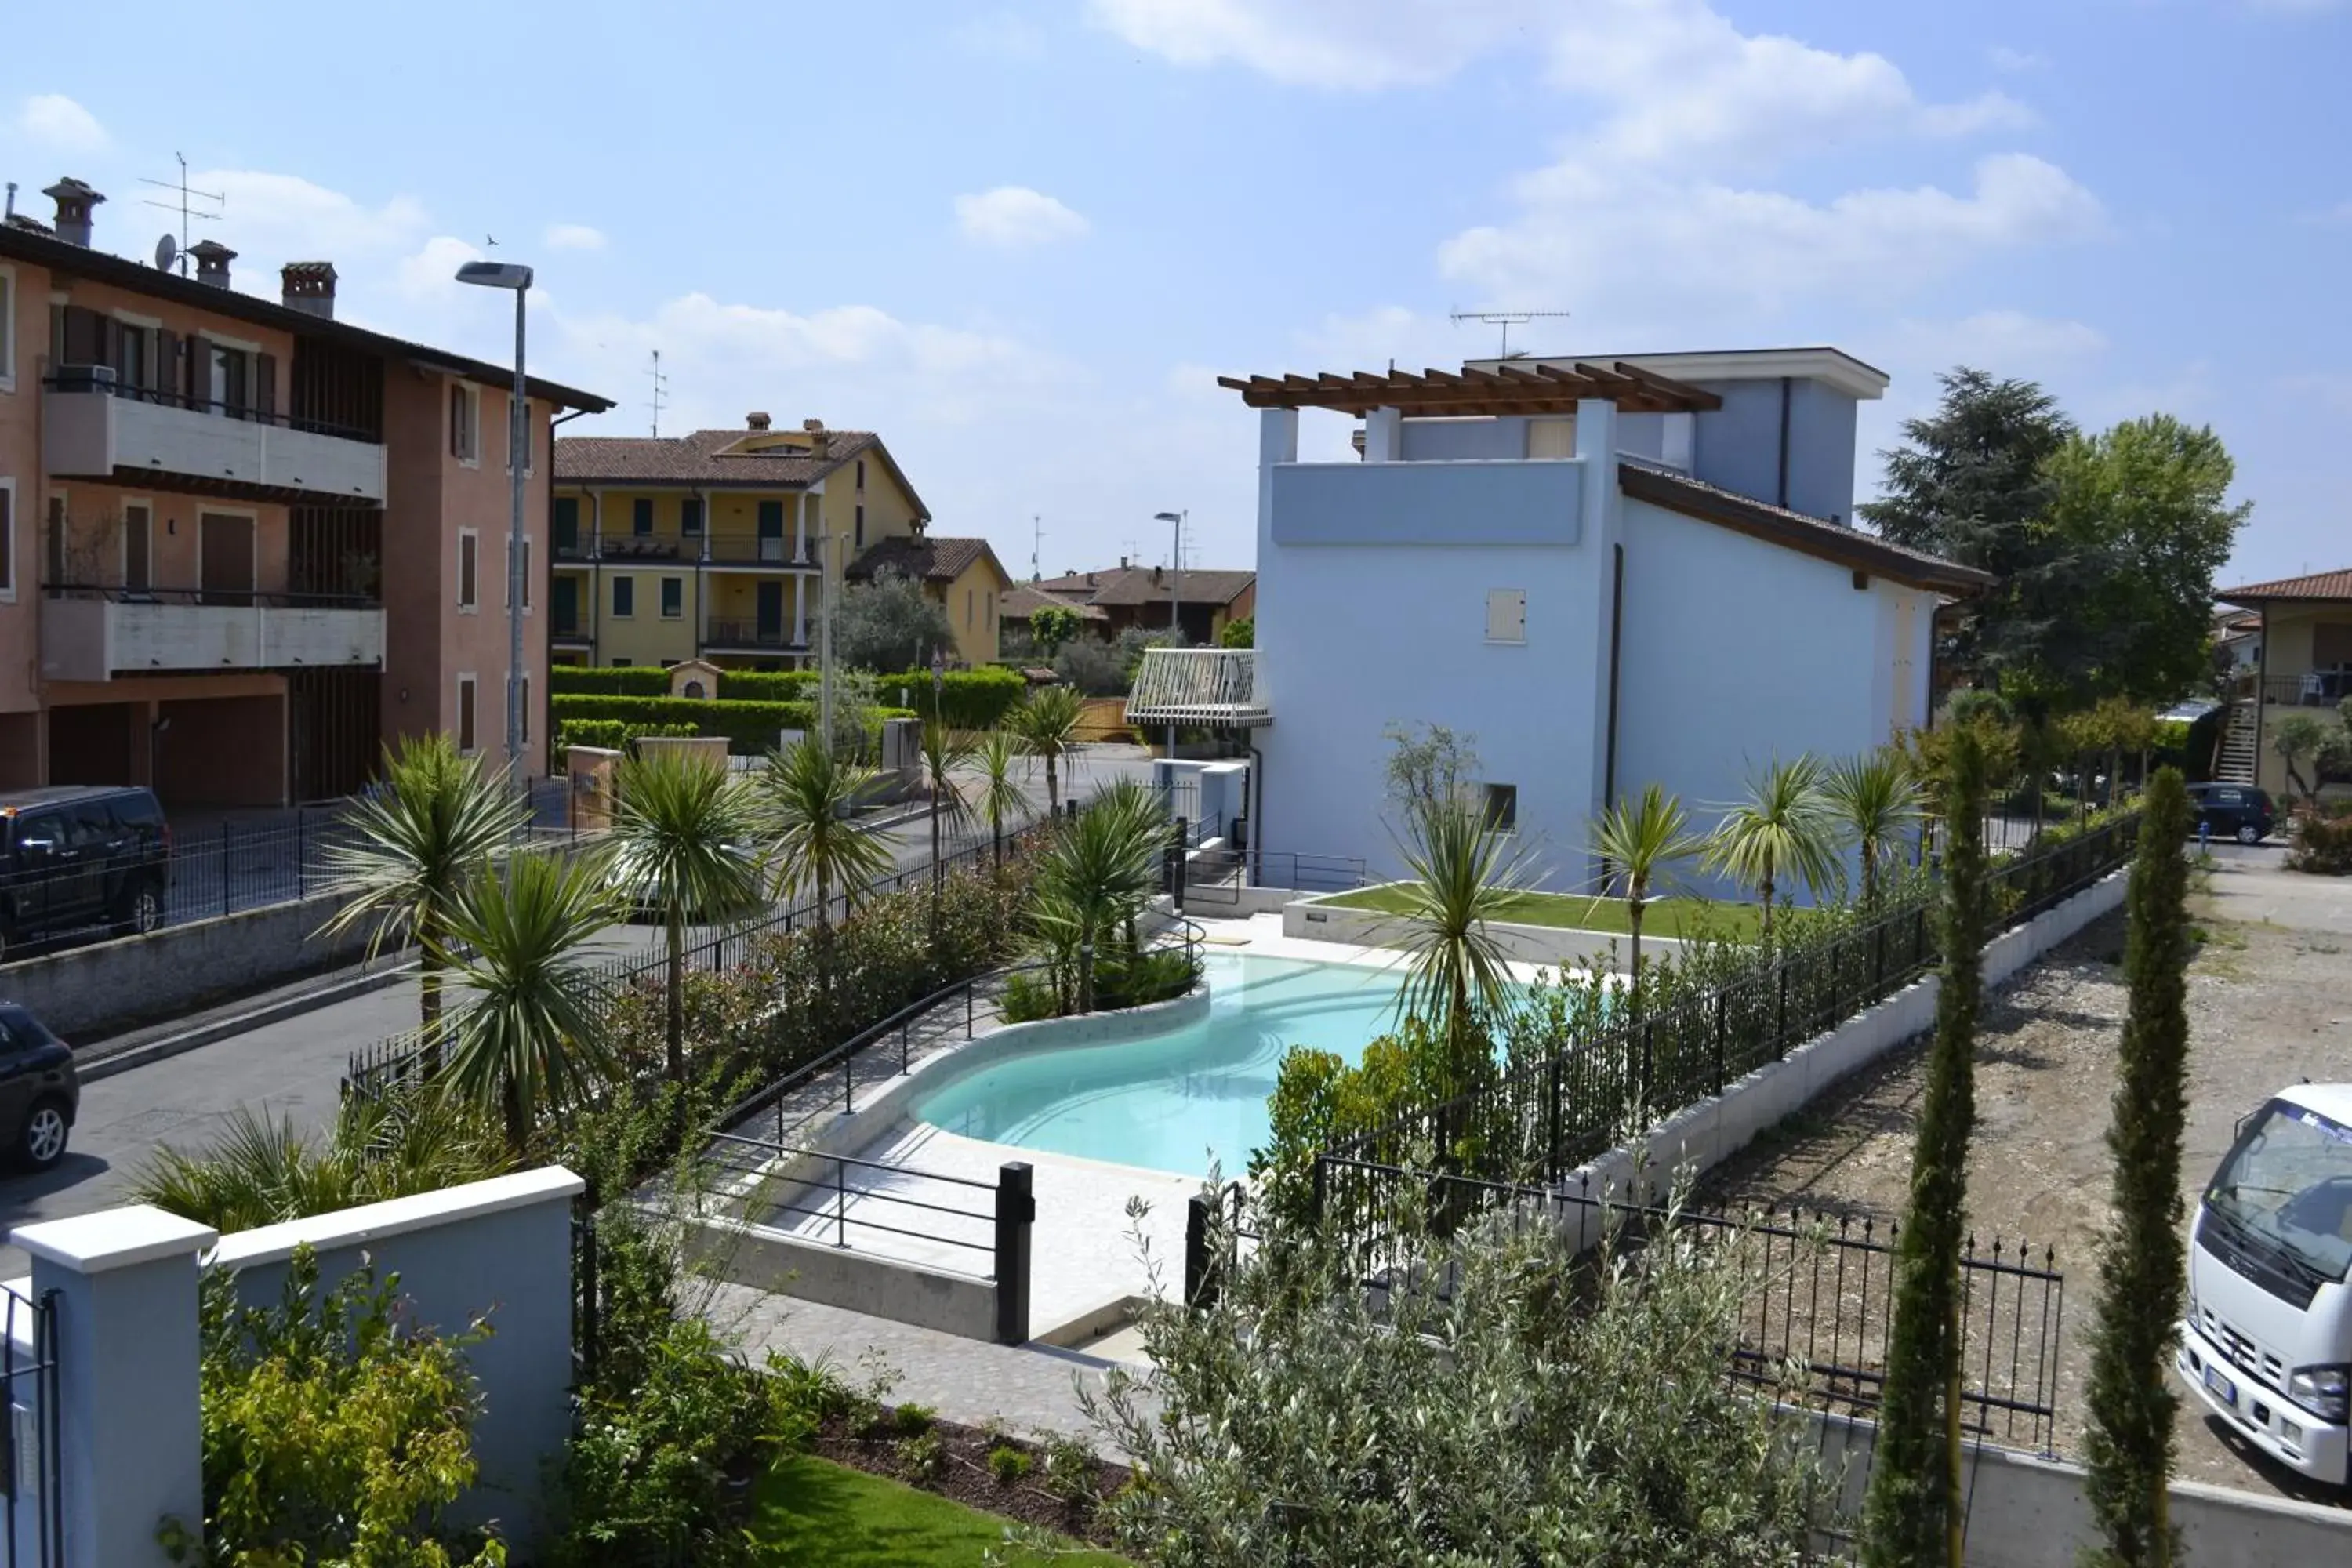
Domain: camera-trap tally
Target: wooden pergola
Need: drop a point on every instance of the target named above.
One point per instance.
(1507, 389)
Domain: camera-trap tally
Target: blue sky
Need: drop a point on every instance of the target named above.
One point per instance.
(1022, 241)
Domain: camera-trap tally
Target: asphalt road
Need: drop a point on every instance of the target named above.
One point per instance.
(295, 1068)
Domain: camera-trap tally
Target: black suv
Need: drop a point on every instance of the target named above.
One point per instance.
(39, 1093)
(2232, 811)
(81, 855)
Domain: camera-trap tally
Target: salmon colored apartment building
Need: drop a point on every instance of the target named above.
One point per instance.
(243, 545)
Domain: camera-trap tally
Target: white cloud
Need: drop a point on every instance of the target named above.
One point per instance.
(1348, 44)
(2016, 62)
(2007, 342)
(55, 120)
(1605, 239)
(1014, 217)
(574, 237)
(270, 219)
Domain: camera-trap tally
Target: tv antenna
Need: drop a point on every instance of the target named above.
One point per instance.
(1036, 542)
(661, 393)
(186, 198)
(1506, 320)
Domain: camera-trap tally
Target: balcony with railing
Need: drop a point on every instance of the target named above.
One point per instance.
(753, 636)
(100, 632)
(1216, 687)
(750, 548)
(2311, 689)
(94, 428)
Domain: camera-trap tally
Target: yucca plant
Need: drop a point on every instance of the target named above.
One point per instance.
(1103, 866)
(682, 845)
(1461, 874)
(806, 799)
(1875, 799)
(436, 819)
(530, 1039)
(1048, 724)
(1782, 830)
(1640, 841)
(998, 798)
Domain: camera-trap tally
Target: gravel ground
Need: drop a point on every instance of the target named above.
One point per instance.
(2270, 1002)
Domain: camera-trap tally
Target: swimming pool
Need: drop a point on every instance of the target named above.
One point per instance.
(1175, 1101)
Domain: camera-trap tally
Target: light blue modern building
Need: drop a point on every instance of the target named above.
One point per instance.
(1609, 572)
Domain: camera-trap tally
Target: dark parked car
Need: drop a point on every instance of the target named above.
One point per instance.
(39, 1093)
(2232, 811)
(81, 855)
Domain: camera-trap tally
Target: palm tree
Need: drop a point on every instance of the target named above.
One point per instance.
(806, 797)
(433, 823)
(1102, 868)
(1000, 797)
(1783, 828)
(1639, 841)
(681, 845)
(1462, 874)
(1875, 799)
(944, 752)
(1048, 722)
(530, 1039)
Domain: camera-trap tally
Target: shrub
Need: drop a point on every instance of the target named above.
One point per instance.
(332, 1432)
(1008, 1465)
(914, 1420)
(1092, 667)
(924, 1455)
(612, 734)
(636, 681)
(1070, 1474)
(968, 699)
(2323, 845)
(751, 728)
(1124, 980)
(1029, 997)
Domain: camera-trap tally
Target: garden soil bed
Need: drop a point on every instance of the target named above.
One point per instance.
(2270, 1002)
(963, 1475)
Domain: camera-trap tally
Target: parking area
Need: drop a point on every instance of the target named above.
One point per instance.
(2270, 1003)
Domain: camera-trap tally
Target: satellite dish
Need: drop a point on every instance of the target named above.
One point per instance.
(166, 253)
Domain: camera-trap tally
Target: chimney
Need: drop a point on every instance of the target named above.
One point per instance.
(212, 261)
(310, 287)
(755, 421)
(819, 443)
(1122, 562)
(74, 201)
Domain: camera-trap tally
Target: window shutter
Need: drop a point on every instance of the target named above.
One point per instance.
(163, 374)
(83, 343)
(265, 384)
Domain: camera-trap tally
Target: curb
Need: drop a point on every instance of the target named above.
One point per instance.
(219, 1029)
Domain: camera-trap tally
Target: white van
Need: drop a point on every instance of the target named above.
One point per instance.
(2268, 1342)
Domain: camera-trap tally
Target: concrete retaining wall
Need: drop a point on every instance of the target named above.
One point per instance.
(1702, 1135)
(771, 1260)
(1315, 920)
(82, 989)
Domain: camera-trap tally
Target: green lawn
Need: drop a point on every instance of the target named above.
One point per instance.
(1659, 917)
(812, 1511)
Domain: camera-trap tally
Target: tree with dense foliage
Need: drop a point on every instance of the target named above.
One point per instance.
(1782, 830)
(1242, 632)
(805, 801)
(1639, 842)
(1430, 763)
(2129, 1440)
(2147, 502)
(1461, 875)
(1091, 666)
(998, 796)
(1549, 1408)
(1876, 802)
(890, 623)
(421, 835)
(1915, 1510)
(1051, 625)
(682, 845)
(1970, 484)
(2311, 748)
(1048, 725)
(530, 1039)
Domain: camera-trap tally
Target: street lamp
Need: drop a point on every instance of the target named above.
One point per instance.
(514, 276)
(936, 744)
(1175, 595)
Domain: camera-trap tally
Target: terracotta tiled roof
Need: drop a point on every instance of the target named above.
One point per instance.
(1021, 602)
(1144, 585)
(1795, 531)
(930, 557)
(2318, 585)
(702, 458)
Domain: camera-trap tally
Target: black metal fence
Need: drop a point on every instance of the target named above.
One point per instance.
(1219, 876)
(31, 1495)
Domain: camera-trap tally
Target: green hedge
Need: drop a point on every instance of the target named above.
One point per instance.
(610, 735)
(751, 728)
(637, 680)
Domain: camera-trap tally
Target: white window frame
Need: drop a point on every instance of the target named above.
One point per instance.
(471, 458)
(8, 327)
(466, 606)
(8, 551)
(466, 683)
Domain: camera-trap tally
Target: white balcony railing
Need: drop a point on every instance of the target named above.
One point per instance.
(95, 637)
(90, 432)
(1213, 685)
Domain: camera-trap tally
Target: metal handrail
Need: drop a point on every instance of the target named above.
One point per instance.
(773, 1151)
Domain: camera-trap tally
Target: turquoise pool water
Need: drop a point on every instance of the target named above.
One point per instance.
(1178, 1101)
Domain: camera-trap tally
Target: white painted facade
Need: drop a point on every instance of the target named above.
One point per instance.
(1378, 589)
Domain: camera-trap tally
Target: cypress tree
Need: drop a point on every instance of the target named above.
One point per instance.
(1914, 1513)
(2142, 1268)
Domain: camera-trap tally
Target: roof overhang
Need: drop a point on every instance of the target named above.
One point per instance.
(1504, 388)
(1793, 531)
(1833, 368)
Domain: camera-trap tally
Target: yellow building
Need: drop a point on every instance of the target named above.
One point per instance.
(718, 544)
(963, 576)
